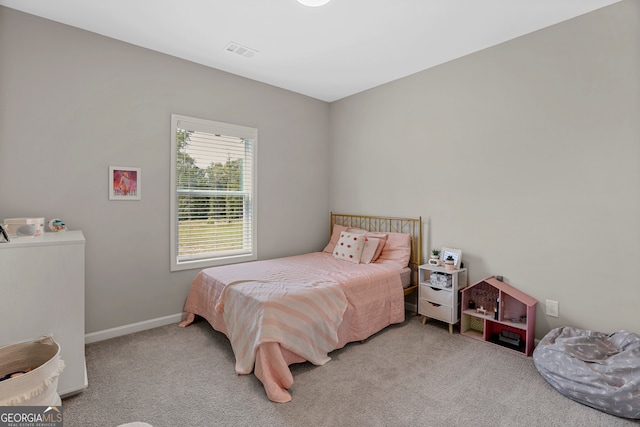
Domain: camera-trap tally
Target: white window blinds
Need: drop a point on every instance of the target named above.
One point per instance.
(213, 201)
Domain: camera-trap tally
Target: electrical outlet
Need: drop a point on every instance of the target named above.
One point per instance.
(552, 308)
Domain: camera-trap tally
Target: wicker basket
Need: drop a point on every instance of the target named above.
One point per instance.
(38, 386)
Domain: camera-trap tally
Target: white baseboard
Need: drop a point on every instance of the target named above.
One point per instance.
(134, 327)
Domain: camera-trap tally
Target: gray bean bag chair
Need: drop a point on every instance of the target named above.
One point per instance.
(593, 368)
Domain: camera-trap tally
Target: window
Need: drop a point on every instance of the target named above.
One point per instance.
(213, 193)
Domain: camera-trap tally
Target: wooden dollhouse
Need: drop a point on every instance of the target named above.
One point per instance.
(496, 312)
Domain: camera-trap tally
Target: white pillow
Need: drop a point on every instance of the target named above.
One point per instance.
(349, 247)
(370, 247)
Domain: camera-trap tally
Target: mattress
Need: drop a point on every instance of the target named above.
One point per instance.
(405, 277)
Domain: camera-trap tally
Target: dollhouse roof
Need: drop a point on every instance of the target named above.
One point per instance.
(509, 290)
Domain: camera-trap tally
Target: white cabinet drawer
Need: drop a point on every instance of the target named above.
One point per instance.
(440, 296)
(435, 311)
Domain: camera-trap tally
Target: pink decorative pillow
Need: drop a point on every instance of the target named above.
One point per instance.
(378, 235)
(349, 247)
(383, 242)
(335, 235)
(370, 246)
(397, 250)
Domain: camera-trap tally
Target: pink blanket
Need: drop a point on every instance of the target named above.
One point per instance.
(302, 317)
(268, 337)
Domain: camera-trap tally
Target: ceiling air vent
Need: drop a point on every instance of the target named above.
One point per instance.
(241, 50)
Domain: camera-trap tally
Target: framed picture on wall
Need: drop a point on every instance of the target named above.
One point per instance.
(456, 254)
(124, 183)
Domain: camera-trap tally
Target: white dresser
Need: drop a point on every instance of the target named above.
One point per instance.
(440, 300)
(42, 293)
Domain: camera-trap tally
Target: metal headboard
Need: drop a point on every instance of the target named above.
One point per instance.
(411, 226)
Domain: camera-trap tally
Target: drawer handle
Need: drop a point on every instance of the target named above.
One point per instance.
(435, 289)
(434, 304)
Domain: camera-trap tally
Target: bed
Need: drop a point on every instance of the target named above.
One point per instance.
(300, 308)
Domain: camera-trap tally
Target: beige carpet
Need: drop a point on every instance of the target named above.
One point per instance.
(406, 375)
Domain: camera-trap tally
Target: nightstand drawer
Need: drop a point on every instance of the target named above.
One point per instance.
(440, 296)
(435, 311)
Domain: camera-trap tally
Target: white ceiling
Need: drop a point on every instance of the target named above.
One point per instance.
(327, 52)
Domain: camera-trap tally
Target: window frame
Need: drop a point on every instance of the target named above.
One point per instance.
(220, 128)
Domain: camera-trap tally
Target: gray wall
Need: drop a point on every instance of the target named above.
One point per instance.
(526, 156)
(72, 103)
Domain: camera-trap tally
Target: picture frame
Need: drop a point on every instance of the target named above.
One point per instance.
(125, 183)
(455, 253)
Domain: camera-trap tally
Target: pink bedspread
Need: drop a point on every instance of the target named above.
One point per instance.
(348, 302)
(303, 317)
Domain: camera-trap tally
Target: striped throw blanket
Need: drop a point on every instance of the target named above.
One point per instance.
(301, 317)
